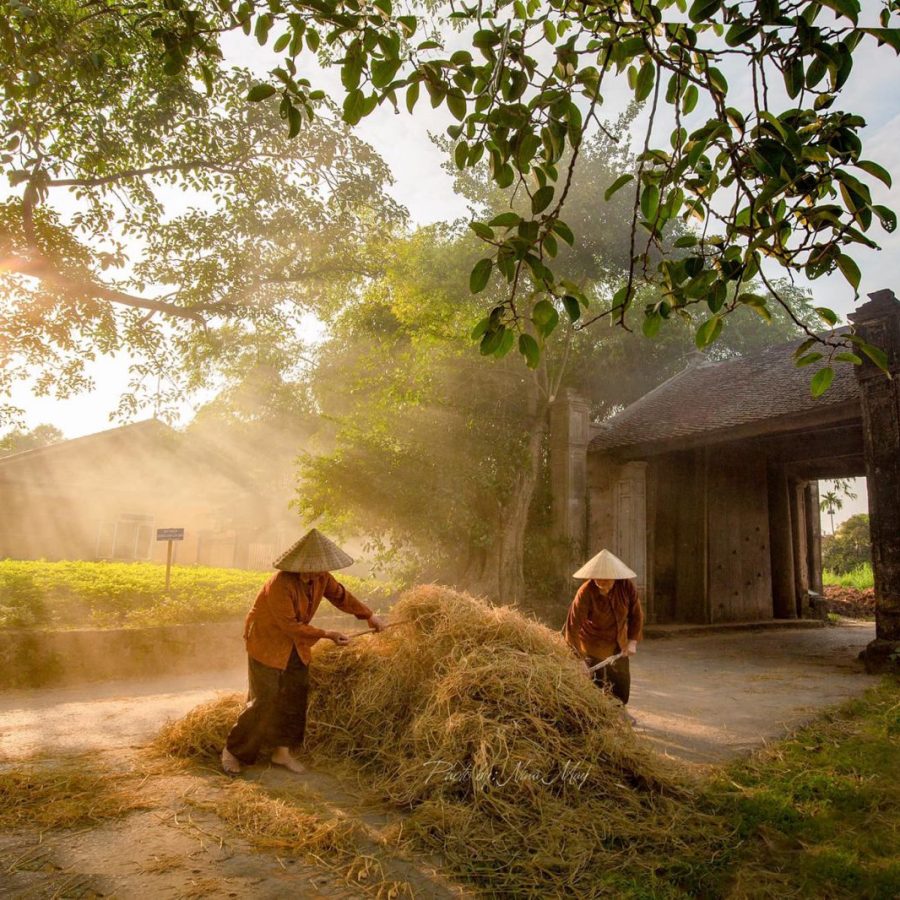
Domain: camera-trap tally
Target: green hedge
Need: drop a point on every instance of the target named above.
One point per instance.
(40, 594)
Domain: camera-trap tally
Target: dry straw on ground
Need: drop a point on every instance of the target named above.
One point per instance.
(334, 843)
(512, 765)
(72, 795)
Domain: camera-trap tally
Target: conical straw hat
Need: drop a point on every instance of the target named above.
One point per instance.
(605, 565)
(313, 553)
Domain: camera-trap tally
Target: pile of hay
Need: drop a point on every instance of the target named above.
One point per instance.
(512, 764)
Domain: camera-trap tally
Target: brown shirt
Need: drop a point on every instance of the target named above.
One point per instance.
(599, 624)
(279, 618)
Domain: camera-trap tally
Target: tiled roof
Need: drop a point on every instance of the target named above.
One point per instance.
(709, 397)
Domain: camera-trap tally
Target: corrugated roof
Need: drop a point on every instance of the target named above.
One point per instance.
(709, 397)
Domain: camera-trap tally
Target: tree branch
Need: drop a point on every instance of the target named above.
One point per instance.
(140, 173)
(69, 284)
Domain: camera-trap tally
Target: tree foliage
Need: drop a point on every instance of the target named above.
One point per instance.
(153, 209)
(849, 547)
(440, 456)
(16, 440)
(781, 178)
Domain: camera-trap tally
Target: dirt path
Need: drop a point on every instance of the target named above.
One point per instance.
(702, 698)
(708, 698)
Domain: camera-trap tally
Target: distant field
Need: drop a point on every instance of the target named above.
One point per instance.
(860, 578)
(38, 594)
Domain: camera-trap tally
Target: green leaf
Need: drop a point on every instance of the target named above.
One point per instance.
(545, 317)
(701, 10)
(807, 359)
(529, 348)
(506, 343)
(412, 95)
(480, 328)
(644, 83)
(873, 168)
(295, 122)
(650, 202)
(652, 324)
(541, 199)
(573, 307)
(383, 71)
(492, 340)
(620, 182)
(849, 357)
(482, 230)
(480, 274)
(260, 92)
(821, 381)
(456, 103)
(691, 96)
(354, 107)
(850, 270)
(505, 220)
(876, 354)
(827, 315)
(708, 332)
(564, 232)
(687, 240)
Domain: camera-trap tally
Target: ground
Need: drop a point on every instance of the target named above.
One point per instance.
(701, 698)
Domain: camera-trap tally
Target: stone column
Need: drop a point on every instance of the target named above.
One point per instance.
(878, 321)
(569, 438)
(814, 536)
(781, 545)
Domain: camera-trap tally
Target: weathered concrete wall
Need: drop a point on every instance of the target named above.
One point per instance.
(50, 658)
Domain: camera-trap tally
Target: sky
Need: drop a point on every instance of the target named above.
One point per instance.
(426, 190)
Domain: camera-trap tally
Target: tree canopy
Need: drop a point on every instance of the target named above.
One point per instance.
(778, 178)
(158, 212)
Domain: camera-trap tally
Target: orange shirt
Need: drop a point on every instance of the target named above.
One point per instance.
(279, 618)
(600, 625)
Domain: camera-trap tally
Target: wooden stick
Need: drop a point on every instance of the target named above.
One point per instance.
(605, 662)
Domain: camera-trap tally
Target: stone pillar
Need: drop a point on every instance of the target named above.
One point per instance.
(569, 438)
(878, 322)
(814, 536)
(631, 521)
(781, 545)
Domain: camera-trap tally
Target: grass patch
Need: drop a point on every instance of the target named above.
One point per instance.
(74, 795)
(860, 578)
(818, 815)
(74, 594)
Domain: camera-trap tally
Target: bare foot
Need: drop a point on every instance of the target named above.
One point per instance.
(230, 763)
(282, 757)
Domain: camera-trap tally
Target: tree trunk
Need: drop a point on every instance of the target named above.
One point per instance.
(501, 576)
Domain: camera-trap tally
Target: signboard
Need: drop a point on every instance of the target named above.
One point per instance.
(170, 534)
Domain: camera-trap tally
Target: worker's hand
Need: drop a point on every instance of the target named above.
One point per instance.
(630, 649)
(339, 638)
(376, 623)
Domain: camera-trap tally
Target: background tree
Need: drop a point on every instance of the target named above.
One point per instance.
(440, 457)
(16, 440)
(849, 547)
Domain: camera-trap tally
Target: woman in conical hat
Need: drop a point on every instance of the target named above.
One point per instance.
(279, 641)
(606, 619)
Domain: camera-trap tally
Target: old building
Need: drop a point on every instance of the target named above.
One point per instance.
(707, 485)
(103, 496)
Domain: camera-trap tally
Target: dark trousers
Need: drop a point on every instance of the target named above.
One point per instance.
(616, 677)
(275, 714)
